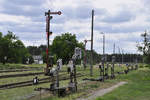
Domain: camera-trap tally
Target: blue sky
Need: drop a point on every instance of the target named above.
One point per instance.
(122, 21)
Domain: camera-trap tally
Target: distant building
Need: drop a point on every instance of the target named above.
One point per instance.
(38, 59)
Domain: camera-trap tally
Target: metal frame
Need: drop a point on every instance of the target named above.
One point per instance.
(48, 18)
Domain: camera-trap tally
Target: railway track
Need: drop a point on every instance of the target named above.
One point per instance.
(6, 71)
(21, 67)
(18, 70)
(30, 83)
(21, 75)
(25, 74)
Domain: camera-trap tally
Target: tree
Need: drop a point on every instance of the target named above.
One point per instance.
(31, 60)
(12, 49)
(96, 57)
(35, 50)
(145, 47)
(63, 46)
(5, 45)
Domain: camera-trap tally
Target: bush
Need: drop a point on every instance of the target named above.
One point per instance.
(141, 66)
(147, 65)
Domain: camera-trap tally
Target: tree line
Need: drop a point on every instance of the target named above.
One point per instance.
(144, 47)
(12, 50)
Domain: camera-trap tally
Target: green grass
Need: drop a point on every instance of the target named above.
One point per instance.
(138, 87)
(19, 93)
(19, 66)
(9, 66)
(23, 72)
(84, 88)
(19, 79)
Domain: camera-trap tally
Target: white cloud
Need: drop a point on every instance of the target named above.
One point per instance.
(13, 18)
(124, 21)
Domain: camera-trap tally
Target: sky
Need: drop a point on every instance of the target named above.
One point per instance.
(122, 21)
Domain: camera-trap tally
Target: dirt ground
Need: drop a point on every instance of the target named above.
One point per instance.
(101, 92)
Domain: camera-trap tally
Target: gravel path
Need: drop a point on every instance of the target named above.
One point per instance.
(101, 92)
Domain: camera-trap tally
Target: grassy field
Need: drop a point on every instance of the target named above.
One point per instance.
(24, 92)
(18, 79)
(19, 66)
(84, 87)
(138, 87)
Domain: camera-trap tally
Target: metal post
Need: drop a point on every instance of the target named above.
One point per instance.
(119, 55)
(103, 69)
(114, 56)
(48, 66)
(85, 55)
(103, 58)
(57, 76)
(57, 80)
(91, 68)
(85, 41)
(114, 49)
(104, 46)
(48, 18)
(47, 32)
(75, 79)
(122, 56)
(113, 63)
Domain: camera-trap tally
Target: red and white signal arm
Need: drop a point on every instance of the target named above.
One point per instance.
(59, 12)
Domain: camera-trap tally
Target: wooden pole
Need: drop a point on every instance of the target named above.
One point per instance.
(91, 67)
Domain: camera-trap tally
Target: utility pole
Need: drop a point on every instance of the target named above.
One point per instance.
(48, 18)
(103, 58)
(104, 47)
(85, 55)
(122, 56)
(91, 68)
(84, 64)
(119, 55)
(113, 63)
(114, 49)
(103, 44)
(130, 58)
